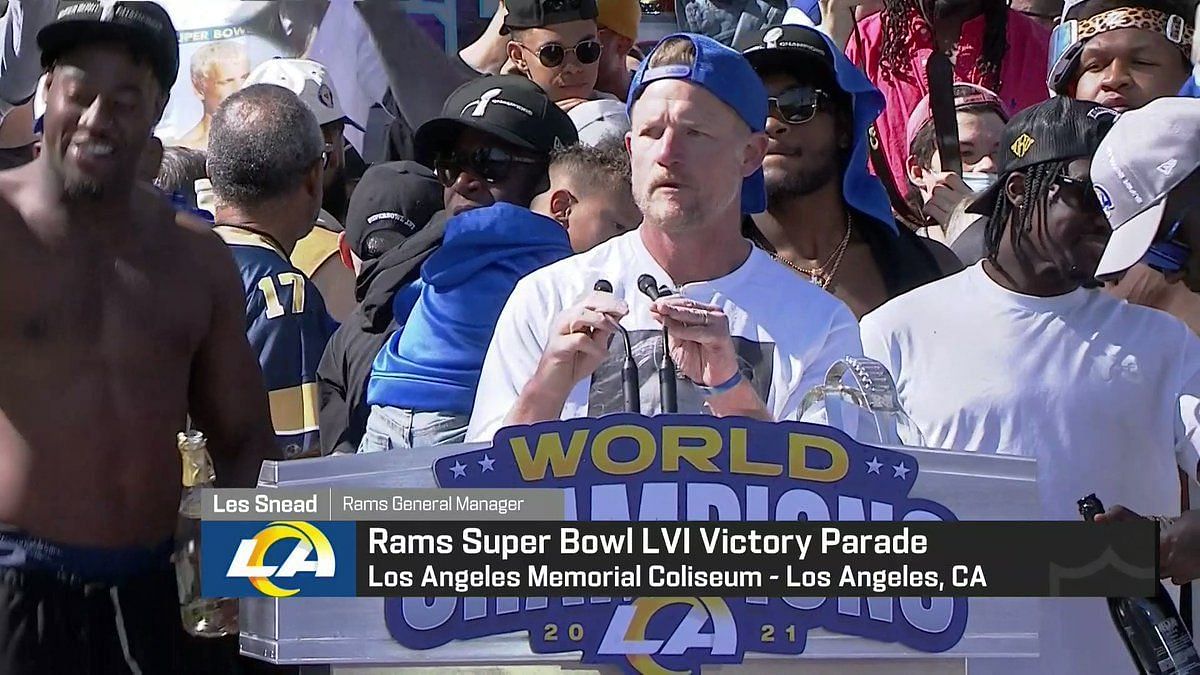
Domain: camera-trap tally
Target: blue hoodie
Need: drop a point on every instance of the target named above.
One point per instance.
(861, 189)
(433, 363)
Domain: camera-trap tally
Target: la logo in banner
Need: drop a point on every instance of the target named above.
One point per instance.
(698, 468)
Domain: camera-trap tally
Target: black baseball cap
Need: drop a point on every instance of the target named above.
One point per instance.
(541, 13)
(1058, 129)
(509, 107)
(144, 26)
(789, 48)
(394, 197)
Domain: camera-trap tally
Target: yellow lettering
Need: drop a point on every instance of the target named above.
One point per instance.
(699, 456)
(738, 463)
(798, 447)
(549, 451)
(647, 449)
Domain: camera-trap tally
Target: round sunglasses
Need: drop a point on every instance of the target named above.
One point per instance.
(553, 54)
(797, 105)
(491, 164)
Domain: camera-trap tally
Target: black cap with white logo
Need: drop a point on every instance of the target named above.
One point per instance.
(509, 107)
(144, 26)
(788, 47)
(396, 198)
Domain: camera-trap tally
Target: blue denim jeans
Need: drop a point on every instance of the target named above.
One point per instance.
(395, 428)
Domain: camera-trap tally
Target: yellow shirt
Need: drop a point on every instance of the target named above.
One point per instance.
(320, 245)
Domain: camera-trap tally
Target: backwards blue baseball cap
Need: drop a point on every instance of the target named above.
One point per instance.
(726, 74)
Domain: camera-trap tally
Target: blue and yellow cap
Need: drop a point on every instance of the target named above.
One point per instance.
(727, 75)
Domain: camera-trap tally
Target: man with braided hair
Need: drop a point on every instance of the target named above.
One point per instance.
(1017, 355)
(990, 45)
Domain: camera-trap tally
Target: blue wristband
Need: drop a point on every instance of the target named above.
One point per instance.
(725, 386)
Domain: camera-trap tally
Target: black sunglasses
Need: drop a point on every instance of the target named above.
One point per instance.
(798, 104)
(553, 54)
(491, 164)
(1081, 194)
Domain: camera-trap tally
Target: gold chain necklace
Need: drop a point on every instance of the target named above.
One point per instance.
(818, 274)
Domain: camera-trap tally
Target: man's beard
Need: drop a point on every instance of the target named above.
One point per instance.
(83, 189)
(802, 183)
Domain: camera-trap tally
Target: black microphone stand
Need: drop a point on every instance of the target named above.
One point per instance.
(666, 367)
(629, 371)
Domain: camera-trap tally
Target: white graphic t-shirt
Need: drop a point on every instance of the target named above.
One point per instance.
(786, 330)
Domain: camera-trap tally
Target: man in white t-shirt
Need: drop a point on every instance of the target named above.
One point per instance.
(1014, 356)
(747, 335)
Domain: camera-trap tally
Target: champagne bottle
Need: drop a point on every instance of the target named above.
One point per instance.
(202, 617)
(1157, 639)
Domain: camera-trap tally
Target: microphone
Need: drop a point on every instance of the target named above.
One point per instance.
(649, 287)
(629, 371)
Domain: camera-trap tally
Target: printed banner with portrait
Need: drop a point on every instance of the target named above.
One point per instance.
(220, 42)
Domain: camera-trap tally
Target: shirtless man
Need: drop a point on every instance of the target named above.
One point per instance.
(119, 322)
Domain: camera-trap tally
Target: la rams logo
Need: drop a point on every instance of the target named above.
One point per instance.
(1102, 195)
(1021, 146)
(249, 561)
(700, 611)
(325, 94)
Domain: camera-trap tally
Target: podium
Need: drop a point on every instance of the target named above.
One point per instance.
(349, 635)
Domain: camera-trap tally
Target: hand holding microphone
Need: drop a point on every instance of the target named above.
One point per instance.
(579, 340)
(697, 337)
(699, 342)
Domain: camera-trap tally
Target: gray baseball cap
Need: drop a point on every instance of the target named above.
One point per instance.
(1146, 154)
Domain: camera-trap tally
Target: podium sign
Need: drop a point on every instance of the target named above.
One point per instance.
(605, 468)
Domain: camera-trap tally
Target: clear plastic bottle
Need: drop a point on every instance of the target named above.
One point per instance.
(202, 617)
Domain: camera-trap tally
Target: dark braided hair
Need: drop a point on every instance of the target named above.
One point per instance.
(995, 43)
(899, 15)
(1038, 179)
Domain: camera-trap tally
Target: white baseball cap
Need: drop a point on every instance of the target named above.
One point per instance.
(1147, 153)
(307, 79)
(599, 120)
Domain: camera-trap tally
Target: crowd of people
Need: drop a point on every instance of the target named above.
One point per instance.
(999, 202)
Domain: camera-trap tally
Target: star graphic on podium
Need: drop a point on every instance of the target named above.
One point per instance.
(901, 471)
(874, 465)
(459, 469)
(487, 463)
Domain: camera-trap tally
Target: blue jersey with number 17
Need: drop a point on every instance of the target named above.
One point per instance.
(288, 326)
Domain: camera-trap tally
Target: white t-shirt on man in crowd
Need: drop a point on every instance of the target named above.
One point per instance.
(1102, 393)
(787, 332)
